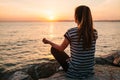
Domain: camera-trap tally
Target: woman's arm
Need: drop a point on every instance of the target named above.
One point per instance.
(59, 47)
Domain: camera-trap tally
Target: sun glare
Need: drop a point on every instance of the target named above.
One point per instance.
(50, 15)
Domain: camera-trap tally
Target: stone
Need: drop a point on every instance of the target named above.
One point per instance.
(42, 70)
(102, 72)
(110, 59)
(117, 59)
(20, 75)
(106, 68)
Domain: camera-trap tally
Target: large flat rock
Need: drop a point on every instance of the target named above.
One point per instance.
(102, 72)
(106, 68)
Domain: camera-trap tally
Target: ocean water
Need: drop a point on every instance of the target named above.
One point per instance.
(21, 42)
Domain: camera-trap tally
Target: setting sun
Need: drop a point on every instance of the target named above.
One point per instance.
(51, 17)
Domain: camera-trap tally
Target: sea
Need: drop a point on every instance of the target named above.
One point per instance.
(21, 42)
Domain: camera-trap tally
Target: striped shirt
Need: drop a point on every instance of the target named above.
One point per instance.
(81, 64)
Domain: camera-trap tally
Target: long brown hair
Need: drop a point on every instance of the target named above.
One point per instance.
(85, 25)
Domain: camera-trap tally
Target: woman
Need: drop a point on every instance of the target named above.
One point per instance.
(82, 40)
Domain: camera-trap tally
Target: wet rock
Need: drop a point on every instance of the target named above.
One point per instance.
(104, 60)
(111, 59)
(20, 75)
(42, 70)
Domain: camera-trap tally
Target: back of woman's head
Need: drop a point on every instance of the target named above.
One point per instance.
(83, 15)
(83, 18)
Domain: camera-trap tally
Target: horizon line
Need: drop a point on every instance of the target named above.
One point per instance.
(55, 20)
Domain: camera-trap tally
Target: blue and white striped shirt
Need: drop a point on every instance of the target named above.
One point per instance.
(81, 64)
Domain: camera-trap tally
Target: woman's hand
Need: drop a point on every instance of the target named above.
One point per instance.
(59, 47)
(45, 41)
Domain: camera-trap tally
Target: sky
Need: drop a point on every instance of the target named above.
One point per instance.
(30, 10)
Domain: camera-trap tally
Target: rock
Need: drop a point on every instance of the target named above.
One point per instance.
(1, 70)
(19, 75)
(111, 59)
(102, 72)
(117, 59)
(57, 76)
(42, 70)
(61, 76)
(107, 72)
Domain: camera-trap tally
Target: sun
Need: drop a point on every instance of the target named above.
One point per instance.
(51, 17)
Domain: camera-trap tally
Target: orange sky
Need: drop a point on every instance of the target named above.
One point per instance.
(12, 10)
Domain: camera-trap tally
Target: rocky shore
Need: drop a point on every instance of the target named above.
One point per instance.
(106, 68)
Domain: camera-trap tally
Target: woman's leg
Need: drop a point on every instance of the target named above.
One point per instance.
(60, 57)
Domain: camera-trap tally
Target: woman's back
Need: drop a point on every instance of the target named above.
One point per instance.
(82, 61)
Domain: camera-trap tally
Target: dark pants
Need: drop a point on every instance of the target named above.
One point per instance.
(60, 57)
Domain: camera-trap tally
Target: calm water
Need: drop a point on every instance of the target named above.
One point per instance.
(20, 42)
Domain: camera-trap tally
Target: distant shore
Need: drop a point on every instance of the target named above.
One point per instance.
(59, 21)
